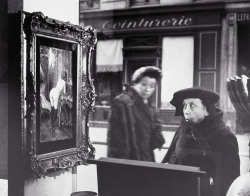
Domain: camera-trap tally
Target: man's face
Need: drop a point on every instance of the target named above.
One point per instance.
(194, 111)
(146, 87)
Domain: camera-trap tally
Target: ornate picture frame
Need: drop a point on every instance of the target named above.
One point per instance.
(57, 93)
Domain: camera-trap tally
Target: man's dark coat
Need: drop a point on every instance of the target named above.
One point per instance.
(134, 129)
(209, 145)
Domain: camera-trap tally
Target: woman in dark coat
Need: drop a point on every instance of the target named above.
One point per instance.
(204, 141)
(134, 128)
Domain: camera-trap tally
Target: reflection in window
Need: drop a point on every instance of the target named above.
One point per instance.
(177, 66)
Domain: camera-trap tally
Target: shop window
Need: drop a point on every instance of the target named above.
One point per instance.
(109, 56)
(243, 67)
(89, 4)
(207, 64)
(109, 67)
(177, 67)
(208, 50)
(243, 49)
(207, 79)
(108, 86)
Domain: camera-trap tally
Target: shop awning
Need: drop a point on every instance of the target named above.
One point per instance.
(109, 57)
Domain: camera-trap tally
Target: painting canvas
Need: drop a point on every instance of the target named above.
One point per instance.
(56, 94)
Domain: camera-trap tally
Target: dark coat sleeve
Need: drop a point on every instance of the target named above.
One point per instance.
(171, 148)
(157, 139)
(118, 131)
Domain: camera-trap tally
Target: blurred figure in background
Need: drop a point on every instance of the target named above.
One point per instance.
(134, 128)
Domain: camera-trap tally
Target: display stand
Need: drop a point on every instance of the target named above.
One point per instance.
(120, 177)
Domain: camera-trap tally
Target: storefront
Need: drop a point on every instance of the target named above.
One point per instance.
(184, 41)
(243, 60)
(243, 20)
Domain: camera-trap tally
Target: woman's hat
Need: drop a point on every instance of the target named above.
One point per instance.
(207, 97)
(151, 71)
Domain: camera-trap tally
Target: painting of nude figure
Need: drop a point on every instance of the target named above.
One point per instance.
(56, 93)
(56, 96)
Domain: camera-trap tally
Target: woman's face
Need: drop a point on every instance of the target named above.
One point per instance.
(194, 111)
(145, 87)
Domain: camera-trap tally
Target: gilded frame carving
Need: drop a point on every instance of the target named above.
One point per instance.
(57, 93)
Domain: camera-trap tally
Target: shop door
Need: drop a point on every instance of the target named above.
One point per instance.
(141, 51)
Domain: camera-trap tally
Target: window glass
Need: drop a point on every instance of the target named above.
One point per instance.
(177, 66)
(109, 67)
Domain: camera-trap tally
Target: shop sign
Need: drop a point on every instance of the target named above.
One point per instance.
(243, 17)
(127, 24)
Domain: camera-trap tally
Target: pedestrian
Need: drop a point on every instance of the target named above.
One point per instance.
(203, 140)
(134, 127)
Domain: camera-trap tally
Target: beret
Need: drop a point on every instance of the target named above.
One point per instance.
(207, 97)
(151, 71)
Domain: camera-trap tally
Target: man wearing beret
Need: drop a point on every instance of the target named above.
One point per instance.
(204, 141)
(134, 128)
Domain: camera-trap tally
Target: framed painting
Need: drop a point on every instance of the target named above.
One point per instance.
(57, 93)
